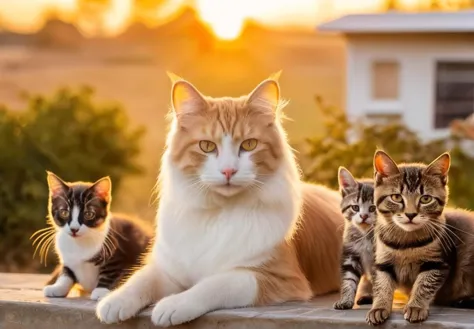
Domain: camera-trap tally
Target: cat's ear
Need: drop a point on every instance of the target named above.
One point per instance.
(384, 165)
(56, 185)
(103, 188)
(346, 180)
(185, 98)
(275, 76)
(173, 77)
(266, 95)
(440, 166)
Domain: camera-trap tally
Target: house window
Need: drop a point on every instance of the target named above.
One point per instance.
(454, 92)
(385, 80)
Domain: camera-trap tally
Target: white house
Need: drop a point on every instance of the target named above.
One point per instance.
(415, 67)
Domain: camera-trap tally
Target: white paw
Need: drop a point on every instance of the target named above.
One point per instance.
(174, 310)
(116, 307)
(99, 293)
(55, 291)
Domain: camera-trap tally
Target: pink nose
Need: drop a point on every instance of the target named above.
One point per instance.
(228, 173)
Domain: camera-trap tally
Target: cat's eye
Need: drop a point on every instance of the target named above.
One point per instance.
(396, 197)
(372, 209)
(426, 199)
(89, 215)
(207, 146)
(355, 208)
(249, 144)
(64, 214)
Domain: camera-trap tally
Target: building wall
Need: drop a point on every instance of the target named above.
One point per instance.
(417, 56)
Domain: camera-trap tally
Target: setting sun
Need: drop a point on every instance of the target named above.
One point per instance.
(226, 18)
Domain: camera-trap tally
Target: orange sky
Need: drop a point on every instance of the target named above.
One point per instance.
(226, 17)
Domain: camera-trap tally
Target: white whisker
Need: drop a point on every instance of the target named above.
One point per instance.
(42, 241)
(49, 228)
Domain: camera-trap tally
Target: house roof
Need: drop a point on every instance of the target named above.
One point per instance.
(396, 22)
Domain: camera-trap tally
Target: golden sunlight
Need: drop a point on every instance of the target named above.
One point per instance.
(118, 15)
(226, 18)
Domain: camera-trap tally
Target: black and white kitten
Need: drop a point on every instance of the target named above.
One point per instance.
(96, 250)
(357, 259)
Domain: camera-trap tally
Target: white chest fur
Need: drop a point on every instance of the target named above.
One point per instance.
(75, 253)
(195, 241)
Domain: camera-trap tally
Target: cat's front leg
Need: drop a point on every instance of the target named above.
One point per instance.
(225, 290)
(61, 285)
(143, 288)
(110, 275)
(99, 293)
(384, 283)
(351, 274)
(431, 277)
(103, 289)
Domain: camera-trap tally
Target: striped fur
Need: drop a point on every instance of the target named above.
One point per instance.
(358, 209)
(96, 249)
(421, 248)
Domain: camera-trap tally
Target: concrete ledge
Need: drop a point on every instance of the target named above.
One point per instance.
(22, 306)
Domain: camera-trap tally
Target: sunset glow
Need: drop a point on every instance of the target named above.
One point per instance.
(226, 18)
(118, 15)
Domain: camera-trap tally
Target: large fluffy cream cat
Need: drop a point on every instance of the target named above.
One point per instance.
(229, 226)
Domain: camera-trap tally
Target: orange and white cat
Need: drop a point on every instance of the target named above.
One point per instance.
(235, 225)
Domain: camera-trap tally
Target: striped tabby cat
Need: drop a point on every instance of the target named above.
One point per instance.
(422, 248)
(96, 250)
(358, 209)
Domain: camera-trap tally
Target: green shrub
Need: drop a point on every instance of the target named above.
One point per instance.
(69, 134)
(352, 145)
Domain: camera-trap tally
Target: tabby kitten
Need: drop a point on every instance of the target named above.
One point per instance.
(421, 248)
(96, 250)
(358, 208)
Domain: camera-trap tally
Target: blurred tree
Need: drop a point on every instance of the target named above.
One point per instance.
(69, 134)
(352, 145)
(57, 33)
(156, 12)
(429, 5)
(144, 10)
(461, 4)
(149, 4)
(391, 5)
(437, 4)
